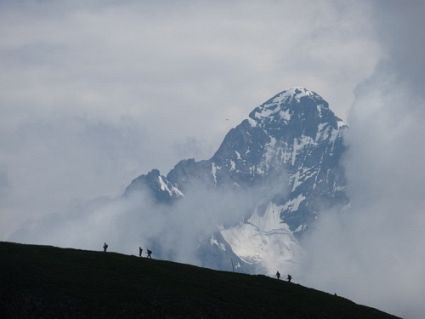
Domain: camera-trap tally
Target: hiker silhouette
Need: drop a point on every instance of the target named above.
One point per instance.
(278, 275)
(140, 251)
(105, 247)
(149, 254)
(289, 278)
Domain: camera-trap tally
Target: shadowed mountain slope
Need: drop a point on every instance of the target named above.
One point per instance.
(49, 282)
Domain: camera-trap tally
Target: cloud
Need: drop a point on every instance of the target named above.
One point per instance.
(374, 250)
(94, 94)
(175, 232)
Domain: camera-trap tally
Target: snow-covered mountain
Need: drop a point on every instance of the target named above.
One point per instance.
(293, 143)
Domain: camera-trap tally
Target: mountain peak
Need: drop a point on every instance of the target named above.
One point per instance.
(284, 105)
(294, 110)
(295, 93)
(295, 135)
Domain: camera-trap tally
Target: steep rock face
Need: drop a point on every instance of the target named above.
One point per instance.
(293, 142)
(157, 186)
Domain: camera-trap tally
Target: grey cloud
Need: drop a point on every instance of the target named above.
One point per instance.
(374, 251)
(4, 184)
(399, 25)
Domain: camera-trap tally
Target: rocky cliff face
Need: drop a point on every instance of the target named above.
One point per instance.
(293, 143)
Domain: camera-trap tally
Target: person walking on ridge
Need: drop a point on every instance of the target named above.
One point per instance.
(140, 251)
(278, 275)
(105, 247)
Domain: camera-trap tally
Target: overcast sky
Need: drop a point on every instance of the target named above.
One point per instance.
(95, 93)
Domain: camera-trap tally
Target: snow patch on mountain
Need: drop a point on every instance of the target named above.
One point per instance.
(295, 93)
(299, 144)
(170, 189)
(214, 241)
(264, 241)
(214, 172)
(292, 205)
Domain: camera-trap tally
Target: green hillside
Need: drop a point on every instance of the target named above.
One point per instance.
(50, 282)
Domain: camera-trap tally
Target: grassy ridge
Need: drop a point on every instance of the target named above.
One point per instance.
(49, 282)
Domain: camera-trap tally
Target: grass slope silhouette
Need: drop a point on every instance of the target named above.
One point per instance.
(49, 282)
